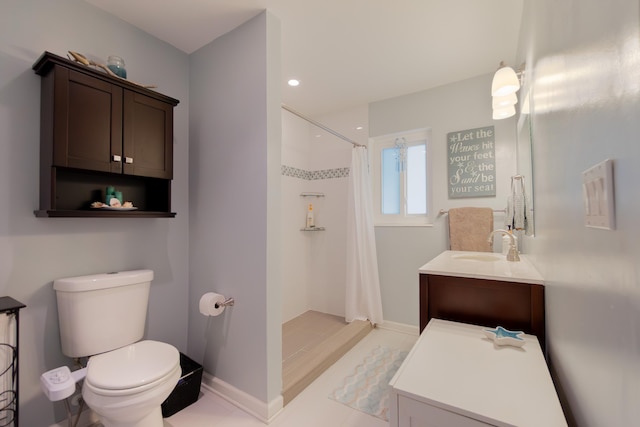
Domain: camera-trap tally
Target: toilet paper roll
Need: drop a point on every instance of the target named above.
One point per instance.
(211, 304)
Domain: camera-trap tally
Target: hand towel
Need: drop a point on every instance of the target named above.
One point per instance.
(516, 217)
(469, 229)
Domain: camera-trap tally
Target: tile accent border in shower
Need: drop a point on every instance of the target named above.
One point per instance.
(314, 175)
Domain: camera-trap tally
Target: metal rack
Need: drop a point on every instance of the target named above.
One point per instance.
(312, 194)
(9, 358)
(312, 229)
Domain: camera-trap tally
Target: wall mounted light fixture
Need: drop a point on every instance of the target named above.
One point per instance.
(506, 82)
(504, 101)
(504, 112)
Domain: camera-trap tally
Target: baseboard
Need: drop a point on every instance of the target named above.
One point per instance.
(399, 327)
(263, 411)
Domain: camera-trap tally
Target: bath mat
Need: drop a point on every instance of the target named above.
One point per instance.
(366, 388)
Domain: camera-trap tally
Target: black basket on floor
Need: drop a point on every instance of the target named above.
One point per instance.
(187, 390)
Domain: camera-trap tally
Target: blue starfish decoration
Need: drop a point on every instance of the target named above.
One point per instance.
(502, 336)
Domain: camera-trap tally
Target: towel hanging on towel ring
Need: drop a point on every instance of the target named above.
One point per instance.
(516, 211)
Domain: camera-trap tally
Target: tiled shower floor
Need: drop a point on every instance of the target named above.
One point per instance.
(305, 332)
(311, 343)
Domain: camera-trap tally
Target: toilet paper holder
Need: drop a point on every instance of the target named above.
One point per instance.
(213, 304)
(229, 302)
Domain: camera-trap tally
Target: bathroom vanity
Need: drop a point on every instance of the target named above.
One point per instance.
(483, 288)
(455, 376)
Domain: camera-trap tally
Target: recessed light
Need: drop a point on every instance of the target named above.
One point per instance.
(359, 128)
(293, 82)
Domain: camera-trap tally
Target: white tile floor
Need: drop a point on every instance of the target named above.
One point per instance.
(311, 408)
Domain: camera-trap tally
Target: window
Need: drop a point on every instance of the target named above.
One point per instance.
(400, 170)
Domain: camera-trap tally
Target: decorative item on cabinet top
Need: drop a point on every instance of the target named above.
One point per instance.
(98, 130)
(114, 67)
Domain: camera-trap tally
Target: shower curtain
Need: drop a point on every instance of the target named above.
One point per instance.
(363, 301)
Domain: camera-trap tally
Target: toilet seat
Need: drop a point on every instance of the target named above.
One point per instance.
(131, 369)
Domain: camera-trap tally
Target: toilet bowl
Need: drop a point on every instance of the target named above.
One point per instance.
(126, 386)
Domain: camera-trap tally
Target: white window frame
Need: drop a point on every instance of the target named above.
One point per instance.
(376, 145)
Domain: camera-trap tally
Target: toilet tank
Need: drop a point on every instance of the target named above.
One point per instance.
(102, 312)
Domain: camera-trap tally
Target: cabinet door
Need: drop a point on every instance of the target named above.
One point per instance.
(412, 413)
(148, 136)
(87, 122)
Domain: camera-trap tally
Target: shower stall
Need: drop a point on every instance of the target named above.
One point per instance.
(314, 171)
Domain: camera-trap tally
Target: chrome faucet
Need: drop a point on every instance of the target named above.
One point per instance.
(512, 255)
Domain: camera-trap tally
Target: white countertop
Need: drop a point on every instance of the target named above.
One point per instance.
(483, 265)
(453, 366)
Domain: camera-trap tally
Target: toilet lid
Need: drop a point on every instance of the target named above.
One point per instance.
(132, 366)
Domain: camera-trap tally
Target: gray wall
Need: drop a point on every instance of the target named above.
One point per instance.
(35, 251)
(235, 213)
(582, 58)
(402, 250)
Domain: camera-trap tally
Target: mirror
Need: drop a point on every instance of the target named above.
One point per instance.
(524, 157)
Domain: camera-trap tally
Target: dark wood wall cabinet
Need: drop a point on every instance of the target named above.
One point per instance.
(97, 131)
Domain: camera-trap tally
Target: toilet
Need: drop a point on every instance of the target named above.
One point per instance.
(102, 317)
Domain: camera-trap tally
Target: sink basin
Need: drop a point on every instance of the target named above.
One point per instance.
(479, 257)
(482, 265)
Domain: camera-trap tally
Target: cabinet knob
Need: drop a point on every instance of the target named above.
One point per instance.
(128, 160)
(116, 158)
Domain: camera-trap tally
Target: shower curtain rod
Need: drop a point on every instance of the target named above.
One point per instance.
(321, 126)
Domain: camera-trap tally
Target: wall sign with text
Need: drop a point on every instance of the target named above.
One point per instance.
(472, 163)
